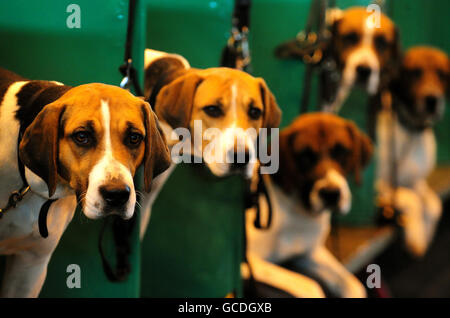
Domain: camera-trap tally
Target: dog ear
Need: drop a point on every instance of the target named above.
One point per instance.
(390, 76)
(287, 171)
(39, 147)
(157, 156)
(362, 150)
(396, 53)
(175, 101)
(272, 113)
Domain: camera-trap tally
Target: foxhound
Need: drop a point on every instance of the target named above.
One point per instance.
(227, 102)
(74, 145)
(405, 139)
(366, 49)
(317, 152)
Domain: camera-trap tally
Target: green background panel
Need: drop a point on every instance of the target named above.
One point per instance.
(193, 245)
(36, 43)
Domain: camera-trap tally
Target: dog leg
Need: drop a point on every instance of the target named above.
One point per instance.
(432, 208)
(410, 205)
(149, 199)
(281, 278)
(24, 275)
(334, 275)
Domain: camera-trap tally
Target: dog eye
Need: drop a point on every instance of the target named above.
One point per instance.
(82, 138)
(442, 75)
(213, 111)
(415, 73)
(134, 139)
(254, 112)
(381, 44)
(306, 158)
(339, 153)
(350, 39)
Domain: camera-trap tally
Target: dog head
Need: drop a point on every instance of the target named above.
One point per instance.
(365, 47)
(317, 152)
(422, 84)
(93, 138)
(230, 106)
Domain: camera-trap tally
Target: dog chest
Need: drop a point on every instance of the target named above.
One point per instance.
(416, 153)
(293, 230)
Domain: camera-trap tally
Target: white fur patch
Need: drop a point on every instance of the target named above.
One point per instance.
(364, 55)
(153, 55)
(106, 169)
(225, 142)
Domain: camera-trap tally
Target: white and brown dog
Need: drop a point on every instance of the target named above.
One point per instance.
(317, 152)
(80, 145)
(221, 100)
(406, 137)
(365, 47)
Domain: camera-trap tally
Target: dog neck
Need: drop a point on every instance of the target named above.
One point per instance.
(404, 118)
(283, 181)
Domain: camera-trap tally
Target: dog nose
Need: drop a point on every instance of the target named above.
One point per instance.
(115, 195)
(431, 104)
(330, 196)
(363, 72)
(239, 159)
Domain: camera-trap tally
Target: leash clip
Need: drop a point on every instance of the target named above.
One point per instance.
(17, 196)
(238, 42)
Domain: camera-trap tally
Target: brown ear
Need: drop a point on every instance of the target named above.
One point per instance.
(448, 79)
(157, 156)
(272, 113)
(332, 46)
(39, 146)
(394, 65)
(287, 171)
(175, 100)
(362, 150)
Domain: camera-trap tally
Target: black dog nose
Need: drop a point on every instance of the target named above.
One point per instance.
(330, 196)
(431, 104)
(115, 195)
(240, 159)
(363, 72)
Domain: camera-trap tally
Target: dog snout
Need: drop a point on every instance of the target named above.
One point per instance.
(330, 196)
(363, 72)
(431, 103)
(240, 159)
(115, 195)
